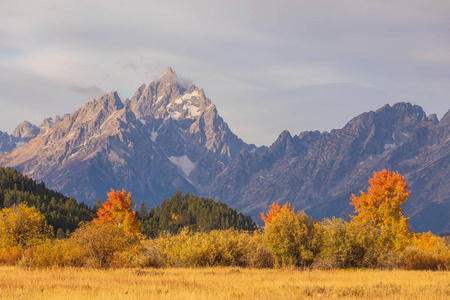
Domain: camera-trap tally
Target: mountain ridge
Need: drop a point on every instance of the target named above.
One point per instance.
(164, 128)
(311, 168)
(169, 136)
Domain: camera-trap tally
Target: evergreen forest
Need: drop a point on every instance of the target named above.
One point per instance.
(191, 212)
(61, 212)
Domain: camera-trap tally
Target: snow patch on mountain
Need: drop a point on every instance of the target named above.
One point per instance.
(389, 146)
(184, 163)
(192, 110)
(154, 135)
(184, 106)
(19, 144)
(187, 96)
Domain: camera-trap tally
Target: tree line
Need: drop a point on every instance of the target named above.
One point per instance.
(377, 236)
(64, 214)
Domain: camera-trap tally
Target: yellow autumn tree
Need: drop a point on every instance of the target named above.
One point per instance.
(380, 206)
(100, 245)
(118, 210)
(22, 227)
(292, 237)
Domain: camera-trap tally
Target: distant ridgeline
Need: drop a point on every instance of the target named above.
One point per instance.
(62, 212)
(192, 212)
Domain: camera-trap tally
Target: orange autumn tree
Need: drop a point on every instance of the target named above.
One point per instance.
(118, 210)
(274, 209)
(380, 206)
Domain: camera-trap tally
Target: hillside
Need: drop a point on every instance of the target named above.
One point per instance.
(60, 211)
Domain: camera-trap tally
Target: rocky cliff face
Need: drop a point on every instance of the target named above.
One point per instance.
(170, 137)
(23, 133)
(6, 143)
(318, 172)
(187, 127)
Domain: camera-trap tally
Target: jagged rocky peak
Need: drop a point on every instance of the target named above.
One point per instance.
(25, 131)
(97, 112)
(445, 119)
(107, 101)
(384, 129)
(402, 111)
(401, 117)
(48, 123)
(433, 119)
(6, 143)
(169, 100)
(189, 105)
(168, 97)
(169, 76)
(406, 108)
(282, 146)
(308, 136)
(284, 137)
(406, 118)
(92, 119)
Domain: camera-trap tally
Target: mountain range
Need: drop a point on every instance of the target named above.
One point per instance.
(170, 137)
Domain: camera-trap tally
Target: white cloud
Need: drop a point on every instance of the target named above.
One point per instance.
(92, 91)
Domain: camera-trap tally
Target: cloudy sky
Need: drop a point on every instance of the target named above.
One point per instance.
(267, 65)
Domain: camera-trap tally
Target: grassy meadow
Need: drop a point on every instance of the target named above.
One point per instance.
(220, 283)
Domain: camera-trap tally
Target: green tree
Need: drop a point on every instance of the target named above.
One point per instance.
(60, 234)
(142, 213)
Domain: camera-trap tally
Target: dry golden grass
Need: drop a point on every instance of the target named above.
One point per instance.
(221, 283)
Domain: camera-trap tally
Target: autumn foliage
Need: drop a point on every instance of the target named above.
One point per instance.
(23, 226)
(118, 210)
(377, 237)
(292, 237)
(274, 209)
(380, 206)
